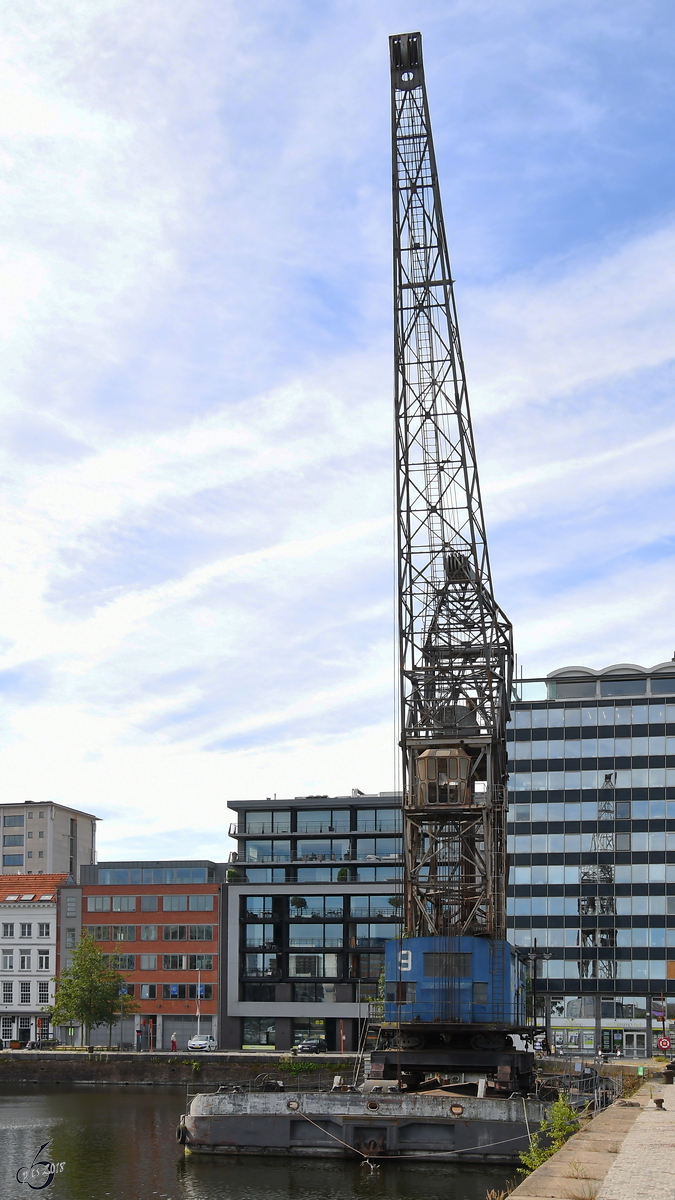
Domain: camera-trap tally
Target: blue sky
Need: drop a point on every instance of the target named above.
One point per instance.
(197, 576)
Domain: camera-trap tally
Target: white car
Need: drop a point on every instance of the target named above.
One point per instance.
(202, 1042)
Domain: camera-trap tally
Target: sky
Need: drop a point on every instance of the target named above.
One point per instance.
(197, 570)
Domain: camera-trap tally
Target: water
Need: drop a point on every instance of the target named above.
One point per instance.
(118, 1143)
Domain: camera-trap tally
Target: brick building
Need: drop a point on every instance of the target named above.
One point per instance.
(163, 920)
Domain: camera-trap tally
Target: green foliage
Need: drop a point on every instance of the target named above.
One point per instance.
(89, 990)
(294, 1066)
(559, 1125)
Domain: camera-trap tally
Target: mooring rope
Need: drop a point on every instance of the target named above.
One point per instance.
(414, 1157)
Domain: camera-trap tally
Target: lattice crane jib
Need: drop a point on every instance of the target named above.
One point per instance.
(455, 642)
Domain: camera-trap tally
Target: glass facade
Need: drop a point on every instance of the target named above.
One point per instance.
(592, 853)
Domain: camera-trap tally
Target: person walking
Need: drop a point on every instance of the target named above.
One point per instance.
(174, 1041)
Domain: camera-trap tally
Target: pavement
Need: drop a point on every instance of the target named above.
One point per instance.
(627, 1152)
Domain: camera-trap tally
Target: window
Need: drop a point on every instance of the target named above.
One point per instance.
(30, 831)
(175, 933)
(30, 818)
(120, 962)
(267, 822)
(29, 855)
(314, 907)
(379, 847)
(148, 991)
(98, 904)
(323, 820)
(200, 962)
(43, 992)
(310, 993)
(376, 906)
(173, 962)
(379, 820)
(370, 966)
(43, 960)
(262, 965)
(13, 821)
(13, 839)
(259, 935)
(24, 960)
(376, 935)
(8, 958)
(41, 854)
(205, 991)
(41, 833)
(71, 906)
(174, 903)
(201, 933)
(123, 933)
(277, 851)
(26, 929)
(315, 935)
(149, 904)
(147, 962)
(70, 939)
(148, 933)
(100, 933)
(258, 993)
(201, 903)
(124, 904)
(25, 992)
(447, 966)
(8, 929)
(313, 966)
(12, 860)
(324, 849)
(40, 816)
(8, 992)
(622, 841)
(258, 1031)
(480, 993)
(43, 929)
(173, 991)
(623, 687)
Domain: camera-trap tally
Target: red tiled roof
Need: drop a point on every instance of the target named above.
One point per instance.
(33, 885)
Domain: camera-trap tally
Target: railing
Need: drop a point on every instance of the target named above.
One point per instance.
(268, 1081)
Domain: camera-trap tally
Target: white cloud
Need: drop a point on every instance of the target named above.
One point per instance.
(197, 572)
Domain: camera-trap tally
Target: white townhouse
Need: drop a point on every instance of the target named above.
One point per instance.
(28, 921)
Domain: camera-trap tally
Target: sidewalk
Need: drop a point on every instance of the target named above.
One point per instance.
(625, 1153)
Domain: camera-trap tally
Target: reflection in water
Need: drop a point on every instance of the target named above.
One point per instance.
(118, 1143)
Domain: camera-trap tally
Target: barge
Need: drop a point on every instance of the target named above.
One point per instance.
(369, 1125)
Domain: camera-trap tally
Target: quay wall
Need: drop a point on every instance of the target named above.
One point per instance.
(56, 1066)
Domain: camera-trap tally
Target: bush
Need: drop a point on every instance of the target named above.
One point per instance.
(559, 1125)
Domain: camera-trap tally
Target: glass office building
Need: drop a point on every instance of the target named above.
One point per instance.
(313, 895)
(592, 852)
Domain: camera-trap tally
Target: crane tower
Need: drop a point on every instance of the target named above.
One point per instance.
(454, 988)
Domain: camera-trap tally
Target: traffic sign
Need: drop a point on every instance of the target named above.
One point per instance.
(664, 1043)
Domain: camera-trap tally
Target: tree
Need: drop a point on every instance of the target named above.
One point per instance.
(299, 903)
(89, 991)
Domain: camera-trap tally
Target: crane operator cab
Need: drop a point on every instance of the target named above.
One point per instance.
(443, 778)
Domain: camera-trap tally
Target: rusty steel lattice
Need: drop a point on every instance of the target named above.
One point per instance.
(455, 642)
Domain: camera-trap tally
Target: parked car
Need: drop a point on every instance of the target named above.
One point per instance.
(202, 1042)
(312, 1046)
